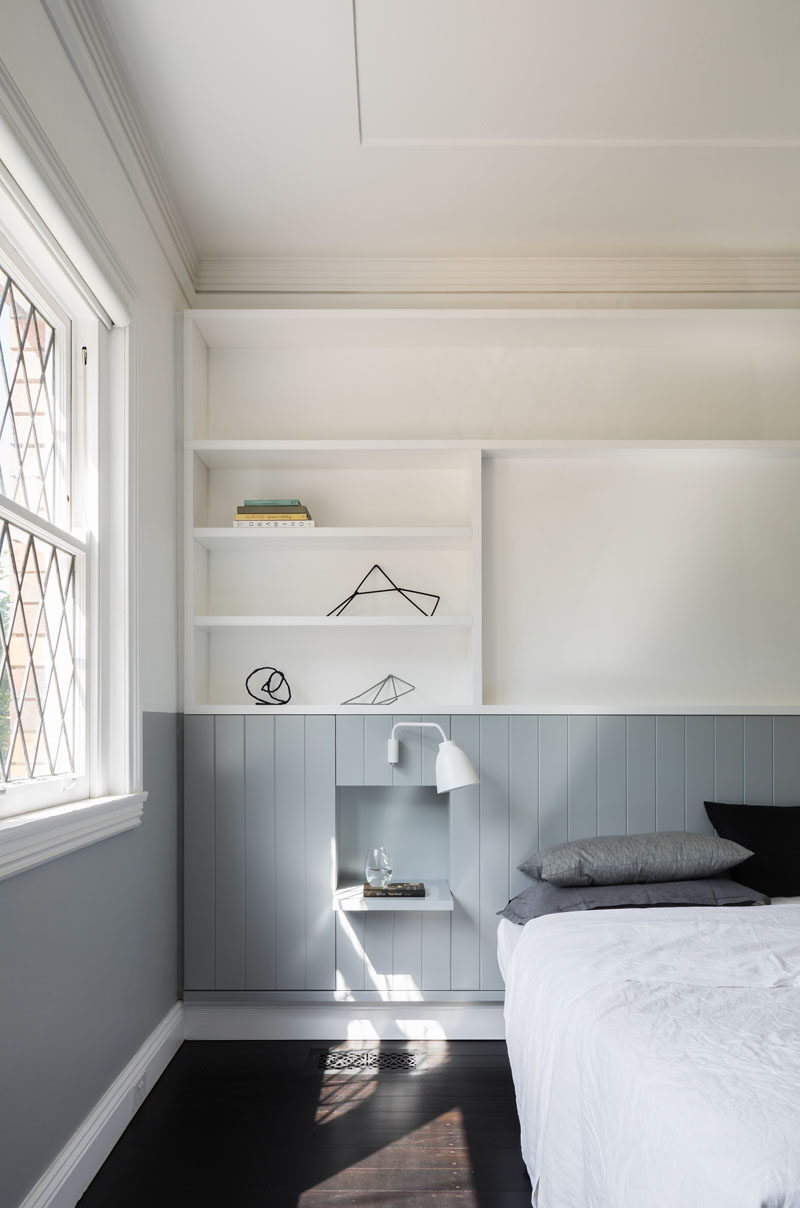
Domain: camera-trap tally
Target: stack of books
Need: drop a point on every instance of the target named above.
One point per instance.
(395, 889)
(272, 513)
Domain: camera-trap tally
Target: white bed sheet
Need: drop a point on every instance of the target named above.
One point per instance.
(656, 1057)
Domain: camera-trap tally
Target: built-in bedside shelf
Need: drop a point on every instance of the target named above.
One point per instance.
(391, 537)
(437, 897)
(408, 624)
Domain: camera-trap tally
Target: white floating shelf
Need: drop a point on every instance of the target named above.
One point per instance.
(453, 624)
(437, 897)
(331, 454)
(394, 537)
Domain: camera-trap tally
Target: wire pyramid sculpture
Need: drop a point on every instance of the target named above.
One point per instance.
(385, 692)
(405, 592)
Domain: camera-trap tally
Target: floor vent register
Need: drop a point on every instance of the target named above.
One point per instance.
(368, 1061)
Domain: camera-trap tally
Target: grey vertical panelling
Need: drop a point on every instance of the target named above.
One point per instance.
(758, 769)
(350, 749)
(290, 871)
(641, 774)
(699, 772)
(553, 781)
(377, 731)
(198, 873)
(612, 779)
(350, 950)
(436, 950)
(581, 777)
(464, 864)
(407, 952)
(379, 947)
(787, 760)
(320, 809)
(409, 769)
(523, 797)
(670, 773)
(260, 819)
(729, 759)
(259, 756)
(229, 898)
(493, 841)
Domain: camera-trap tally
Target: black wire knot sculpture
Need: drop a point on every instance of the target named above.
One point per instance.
(405, 592)
(275, 687)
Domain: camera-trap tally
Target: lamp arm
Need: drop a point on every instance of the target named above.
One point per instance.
(394, 743)
(420, 724)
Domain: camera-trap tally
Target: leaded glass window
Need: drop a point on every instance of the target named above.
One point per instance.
(38, 559)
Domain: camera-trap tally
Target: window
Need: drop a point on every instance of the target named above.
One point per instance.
(70, 727)
(43, 561)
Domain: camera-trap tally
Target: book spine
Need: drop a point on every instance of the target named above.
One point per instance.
(272, 516)
(272, 511)
(274, 524)
(272, 503)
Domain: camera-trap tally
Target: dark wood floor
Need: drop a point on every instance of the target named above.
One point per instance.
(252, 1124)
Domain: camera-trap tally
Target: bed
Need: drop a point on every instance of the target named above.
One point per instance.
(656, 1055)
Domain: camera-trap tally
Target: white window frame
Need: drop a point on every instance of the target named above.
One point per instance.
(42, 819)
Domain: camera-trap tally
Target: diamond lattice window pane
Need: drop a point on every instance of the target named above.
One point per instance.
(29, 430)
(37, 660)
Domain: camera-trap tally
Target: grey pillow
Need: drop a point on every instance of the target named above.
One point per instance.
(532, 867)
(621, 859)
(545, 898)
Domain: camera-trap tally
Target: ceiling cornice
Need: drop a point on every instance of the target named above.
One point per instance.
(86, 37)
(503, 275)
(88, 41)
(40, 153)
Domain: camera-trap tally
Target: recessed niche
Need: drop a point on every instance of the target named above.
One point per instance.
(412, 823)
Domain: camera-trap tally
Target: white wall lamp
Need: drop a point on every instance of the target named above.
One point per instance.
(453, 768)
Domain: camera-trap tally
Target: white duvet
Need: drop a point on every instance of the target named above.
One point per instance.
(656, 1057)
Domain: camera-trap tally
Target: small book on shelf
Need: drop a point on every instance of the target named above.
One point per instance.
(249, 522)
(265, 511)
(395, 889)
(272, 503)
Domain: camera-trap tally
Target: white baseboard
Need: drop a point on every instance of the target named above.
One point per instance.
(71, 1172)
(344, 1021)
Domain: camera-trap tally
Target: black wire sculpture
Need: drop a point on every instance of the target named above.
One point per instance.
(275, 687)
(385, 692)
(405, 592)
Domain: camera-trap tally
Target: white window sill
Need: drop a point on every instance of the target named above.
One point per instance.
(43, 835)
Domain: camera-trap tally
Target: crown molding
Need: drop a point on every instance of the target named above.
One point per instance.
(503, 275)
(39, 155)
(89, 44)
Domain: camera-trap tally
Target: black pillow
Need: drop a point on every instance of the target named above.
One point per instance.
(772, 832)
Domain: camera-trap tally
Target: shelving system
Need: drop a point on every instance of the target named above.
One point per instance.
(553, 557)
(262, 597)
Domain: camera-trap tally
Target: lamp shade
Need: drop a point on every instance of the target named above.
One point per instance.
(453, 768)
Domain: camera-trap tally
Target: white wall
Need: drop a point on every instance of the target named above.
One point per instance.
(37, 63)
(661, 581)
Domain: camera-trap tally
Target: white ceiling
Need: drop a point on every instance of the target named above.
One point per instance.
(473, 128)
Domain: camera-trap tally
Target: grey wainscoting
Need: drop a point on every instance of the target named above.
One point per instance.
(261, 797)
(88, 963)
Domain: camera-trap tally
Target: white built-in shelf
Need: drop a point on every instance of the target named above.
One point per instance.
(331, 454)
(391, 537)
(437, 897)
(409, 624)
